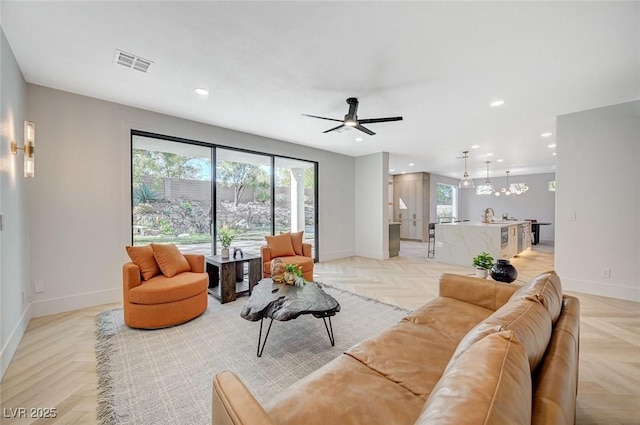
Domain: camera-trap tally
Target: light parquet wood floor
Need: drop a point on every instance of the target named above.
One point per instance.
(55, 362)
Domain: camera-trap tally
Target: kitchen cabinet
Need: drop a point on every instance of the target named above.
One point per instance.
(411, 205)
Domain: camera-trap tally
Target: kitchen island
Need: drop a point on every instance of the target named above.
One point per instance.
(458, 243)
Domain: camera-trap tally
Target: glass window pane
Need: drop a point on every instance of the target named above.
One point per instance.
(243, 198)
(295, 208)
(171, 183)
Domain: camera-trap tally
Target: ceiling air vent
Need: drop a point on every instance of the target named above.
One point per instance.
(132, 61)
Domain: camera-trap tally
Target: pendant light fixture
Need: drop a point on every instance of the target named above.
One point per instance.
(466, 182)
(487, 187)
(507, 189)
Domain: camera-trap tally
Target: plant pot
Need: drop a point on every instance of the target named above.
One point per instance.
(482, 273)
(503, 271)
(224, 253)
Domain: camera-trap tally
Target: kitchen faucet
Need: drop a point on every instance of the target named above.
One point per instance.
(487, 218)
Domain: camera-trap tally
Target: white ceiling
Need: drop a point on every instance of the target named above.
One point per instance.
(438, 64)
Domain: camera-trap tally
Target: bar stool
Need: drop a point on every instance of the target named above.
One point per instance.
(431, 249)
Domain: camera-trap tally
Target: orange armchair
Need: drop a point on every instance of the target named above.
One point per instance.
(162, 301)
(288, 247)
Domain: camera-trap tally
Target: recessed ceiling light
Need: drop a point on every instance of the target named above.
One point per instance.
(403, 172)
(411, 164)
(546, 135)
(500, 160)
(497, 102)
(554, 154)
(359, 139)
(489, 154)
(202, 92)
(475, 146)
(553, 145)
(391, 170)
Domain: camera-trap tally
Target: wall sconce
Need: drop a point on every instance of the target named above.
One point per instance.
(28, 148)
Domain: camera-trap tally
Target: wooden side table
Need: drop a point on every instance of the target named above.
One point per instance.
(226, 276)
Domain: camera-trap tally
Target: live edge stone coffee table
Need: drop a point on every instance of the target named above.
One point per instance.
(277, 301)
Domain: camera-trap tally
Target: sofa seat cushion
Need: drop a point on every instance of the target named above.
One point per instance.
(306, 263)
(344, 391)
(161, 289)
(489, 384)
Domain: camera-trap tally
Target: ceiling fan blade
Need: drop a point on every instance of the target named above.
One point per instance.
(365, 130)
(334, 128)
(322, 118)
(374, 120)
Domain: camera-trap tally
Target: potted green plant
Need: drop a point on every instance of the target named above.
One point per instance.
(482, 262)
(292, 274)
(225, 236)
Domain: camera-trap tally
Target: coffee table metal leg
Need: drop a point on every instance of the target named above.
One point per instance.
(261, 350)
(329, 330)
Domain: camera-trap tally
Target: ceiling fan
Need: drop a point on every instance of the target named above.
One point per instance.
(351, 119)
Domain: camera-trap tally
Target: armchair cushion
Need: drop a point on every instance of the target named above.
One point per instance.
(142, 256)
(170, 259)
(296, 241)
(280, 245)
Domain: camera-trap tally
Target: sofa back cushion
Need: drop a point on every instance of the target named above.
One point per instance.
(545, 289)
(142, 256)
(555, 383)
(529, 321)
(497, 369)
(170, 259)
(280, 245)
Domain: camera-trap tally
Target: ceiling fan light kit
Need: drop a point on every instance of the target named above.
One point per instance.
(351, 119)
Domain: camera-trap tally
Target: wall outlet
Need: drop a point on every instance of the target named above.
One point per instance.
(39, 286)
(571, 216)
(605, 273)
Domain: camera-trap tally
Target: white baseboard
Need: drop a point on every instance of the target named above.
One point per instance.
(76, 302)
(371, 253)
(9, 349)
(336, 255)
(612, 290)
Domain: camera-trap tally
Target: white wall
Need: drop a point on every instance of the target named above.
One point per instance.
(537, 203)
(80, 213)
(597, 175)
(371, 195)
(14, 263)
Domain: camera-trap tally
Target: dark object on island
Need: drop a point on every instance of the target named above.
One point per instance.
(237, 250)
(503, 271)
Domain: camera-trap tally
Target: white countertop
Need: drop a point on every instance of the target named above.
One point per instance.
(479, 223)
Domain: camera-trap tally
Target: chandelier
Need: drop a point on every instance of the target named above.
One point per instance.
(515, 188)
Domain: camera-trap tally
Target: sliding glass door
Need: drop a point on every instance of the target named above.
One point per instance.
(255, 195)
(295, 209)
(243, 197)
(171, 191)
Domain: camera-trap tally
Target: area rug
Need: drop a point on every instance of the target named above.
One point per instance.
(165, 376)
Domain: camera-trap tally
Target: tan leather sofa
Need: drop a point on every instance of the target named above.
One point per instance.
(482, 352)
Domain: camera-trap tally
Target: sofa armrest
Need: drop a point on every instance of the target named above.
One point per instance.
(196, 262)
(130, 276)
(481, 292)
(265, 252)
(233, 403)
(306, 250)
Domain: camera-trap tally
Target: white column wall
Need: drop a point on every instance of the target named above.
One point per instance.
(598, 201)
(372, 215)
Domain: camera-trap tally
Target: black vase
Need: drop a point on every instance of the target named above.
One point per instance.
(503, 271)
